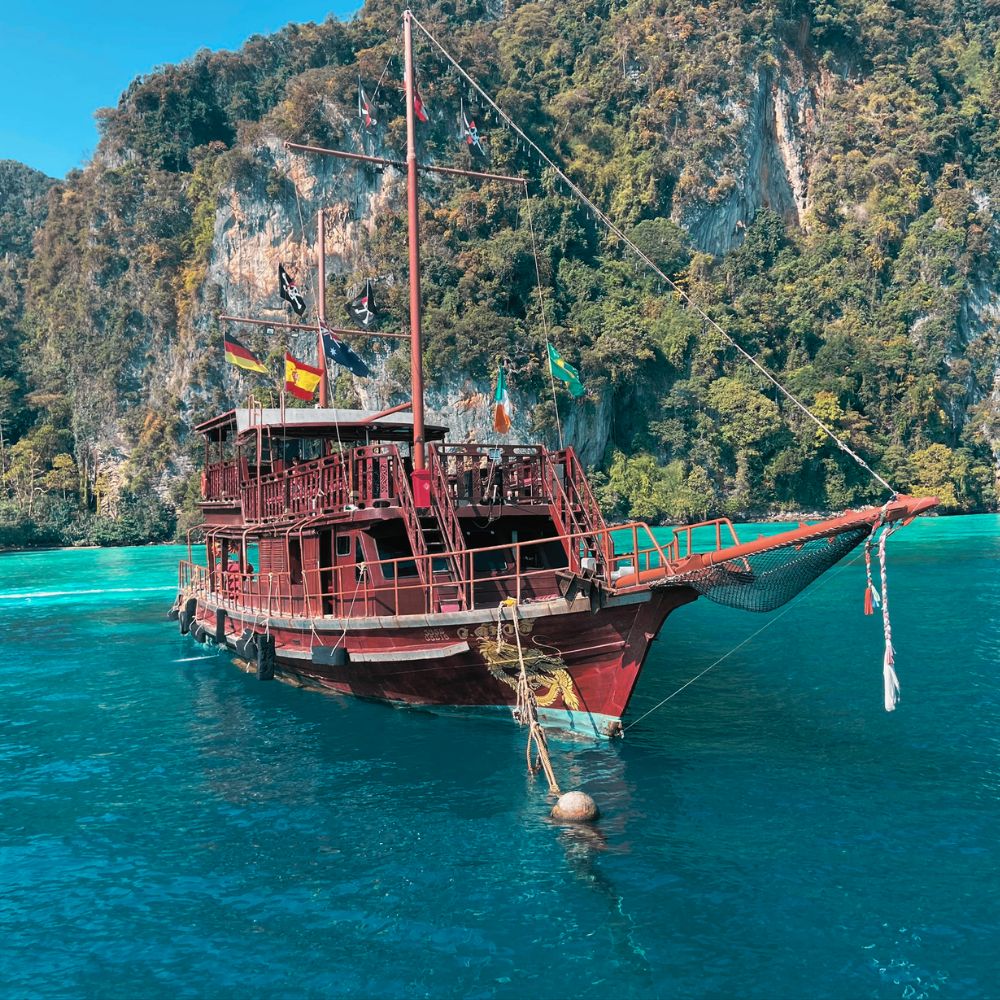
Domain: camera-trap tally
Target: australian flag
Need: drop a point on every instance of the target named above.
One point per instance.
(340, 354)
(362, 309)
(289, 291)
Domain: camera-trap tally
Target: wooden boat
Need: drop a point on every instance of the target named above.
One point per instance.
(365, 552)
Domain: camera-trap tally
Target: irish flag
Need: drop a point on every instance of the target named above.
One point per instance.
(502, 410)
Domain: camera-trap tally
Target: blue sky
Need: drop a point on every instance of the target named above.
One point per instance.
(61, 61)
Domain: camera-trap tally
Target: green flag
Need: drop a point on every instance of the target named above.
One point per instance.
(565, 372)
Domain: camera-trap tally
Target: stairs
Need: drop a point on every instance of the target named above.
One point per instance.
(575, 511)
(434, 531)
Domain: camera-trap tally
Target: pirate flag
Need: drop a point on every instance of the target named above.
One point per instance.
(365, 108)
(289, 291)
(362, 309)
(340, 354)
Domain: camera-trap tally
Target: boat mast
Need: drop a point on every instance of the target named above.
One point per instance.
(321, 303)
(421, 478)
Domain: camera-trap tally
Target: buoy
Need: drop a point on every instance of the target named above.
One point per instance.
(576, 807)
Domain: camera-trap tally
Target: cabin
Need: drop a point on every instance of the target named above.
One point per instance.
(311, 511)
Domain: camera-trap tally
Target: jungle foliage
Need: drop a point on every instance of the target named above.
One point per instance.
(873, 307)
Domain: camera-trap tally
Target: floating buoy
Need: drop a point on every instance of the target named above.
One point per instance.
(576, 807)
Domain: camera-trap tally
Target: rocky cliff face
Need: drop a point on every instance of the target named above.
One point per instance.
(255, 229)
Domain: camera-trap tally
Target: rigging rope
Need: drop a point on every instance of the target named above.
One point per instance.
(541, 306)
(622, 238)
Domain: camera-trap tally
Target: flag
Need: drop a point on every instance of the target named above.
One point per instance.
(362, 309)
(289, 292)
(471, 135)
(364, 107)
(502, 409)
(340, 354)
(418, 105)
(565, 372)
(241, 356)
(301, 379)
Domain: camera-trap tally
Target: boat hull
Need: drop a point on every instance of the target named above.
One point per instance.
(582, 657)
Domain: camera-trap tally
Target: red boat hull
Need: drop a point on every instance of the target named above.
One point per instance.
(582, 664)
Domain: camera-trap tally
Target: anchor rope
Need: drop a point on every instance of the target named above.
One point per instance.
(526, 707)
(649, 263)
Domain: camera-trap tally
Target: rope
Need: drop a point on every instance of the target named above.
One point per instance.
(890, 681)
(541, 306)
(622, 238)
(526, 708)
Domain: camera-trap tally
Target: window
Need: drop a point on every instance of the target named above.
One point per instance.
(343, 545)
(396, 548)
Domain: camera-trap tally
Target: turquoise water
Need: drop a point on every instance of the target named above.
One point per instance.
(171, 827)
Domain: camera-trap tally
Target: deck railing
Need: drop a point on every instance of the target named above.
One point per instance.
(397, 586)
(481, 474)
(221, 481)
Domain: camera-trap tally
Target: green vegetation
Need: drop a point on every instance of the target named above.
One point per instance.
(873, 303)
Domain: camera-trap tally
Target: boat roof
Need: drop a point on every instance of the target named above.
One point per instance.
(317, 422)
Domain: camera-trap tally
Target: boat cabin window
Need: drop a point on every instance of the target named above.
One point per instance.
(396, 548)
(343, 545)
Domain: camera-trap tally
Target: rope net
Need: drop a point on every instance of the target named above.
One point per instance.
(767, 580)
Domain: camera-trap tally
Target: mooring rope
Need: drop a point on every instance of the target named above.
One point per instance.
(526, 709)
(784, 611)
(622, 238)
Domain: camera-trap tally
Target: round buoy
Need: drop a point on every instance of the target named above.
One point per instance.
(576, 807)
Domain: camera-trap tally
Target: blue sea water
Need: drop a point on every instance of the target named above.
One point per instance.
(172, 827)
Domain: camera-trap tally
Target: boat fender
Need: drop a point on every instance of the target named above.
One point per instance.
(220, 626)
(173, 614)
(186, 617)
(265, 658)
(246, 645)
(330, 656)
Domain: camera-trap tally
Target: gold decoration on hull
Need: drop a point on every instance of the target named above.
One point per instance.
(544, 670)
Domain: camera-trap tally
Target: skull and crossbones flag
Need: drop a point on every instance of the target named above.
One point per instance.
(289, 291)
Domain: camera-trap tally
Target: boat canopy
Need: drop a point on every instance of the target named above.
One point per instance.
(328, 422)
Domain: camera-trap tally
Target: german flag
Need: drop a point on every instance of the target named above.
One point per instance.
(301, 379)
(242, 357)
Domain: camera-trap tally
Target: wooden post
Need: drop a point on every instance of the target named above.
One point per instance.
(321, 302)
(421, 491)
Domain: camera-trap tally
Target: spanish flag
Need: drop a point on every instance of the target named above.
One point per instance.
(241, 356)
(301, 379)
(502, 410)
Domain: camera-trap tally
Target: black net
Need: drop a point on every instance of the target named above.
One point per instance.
(766, 580)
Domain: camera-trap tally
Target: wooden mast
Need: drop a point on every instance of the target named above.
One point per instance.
(321, 303)
(421, 477)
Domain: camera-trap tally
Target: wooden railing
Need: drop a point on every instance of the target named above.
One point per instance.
(221, 481)
(389, 587)
(481, 474)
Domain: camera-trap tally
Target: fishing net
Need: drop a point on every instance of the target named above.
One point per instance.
(766, 580)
